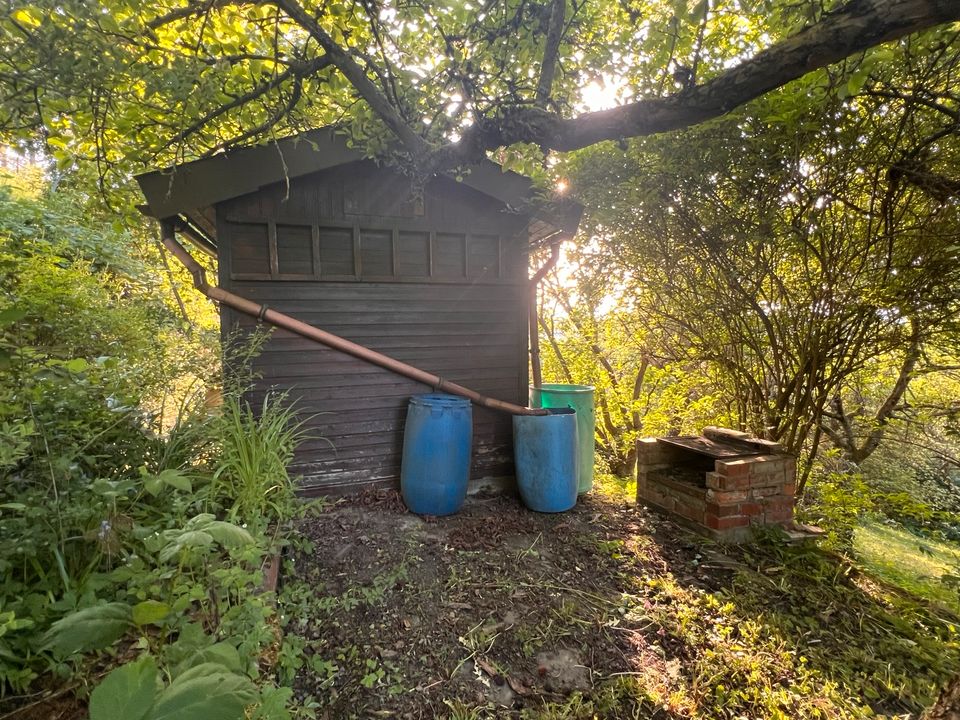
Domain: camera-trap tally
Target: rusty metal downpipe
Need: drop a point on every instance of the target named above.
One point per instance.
(535, 367)
(265, 314)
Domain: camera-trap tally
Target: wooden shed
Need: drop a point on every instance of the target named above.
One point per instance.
(433, 273)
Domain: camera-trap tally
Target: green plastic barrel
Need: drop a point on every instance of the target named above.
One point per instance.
(580, 398)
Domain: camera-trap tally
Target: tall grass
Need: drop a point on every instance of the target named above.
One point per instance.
(250, 479)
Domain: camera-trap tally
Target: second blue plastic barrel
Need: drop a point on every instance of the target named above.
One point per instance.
(580, 398)
(545, 454)
(435, 467)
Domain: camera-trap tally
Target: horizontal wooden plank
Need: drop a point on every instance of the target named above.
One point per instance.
(362, 391)
(373, 291)
(404, 337)
(342, 435)
(322, 432)
(449, 356)
(493, 323)
(457, 370)
(299, 344)
(336, 425)
(386, 465)
(296, 385)
(493, 303)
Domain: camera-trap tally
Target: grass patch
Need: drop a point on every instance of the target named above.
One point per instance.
(913, 563)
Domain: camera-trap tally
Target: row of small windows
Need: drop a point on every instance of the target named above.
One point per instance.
(282, 251)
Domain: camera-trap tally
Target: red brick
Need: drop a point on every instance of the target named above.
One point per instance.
(726, 498)
(725, 523)
(779, 503)
(751, 508)
(790, 489)
(767, 491)
(768, 467)
(778, 516)
(733, 468)
(714, 481)
(689, 511)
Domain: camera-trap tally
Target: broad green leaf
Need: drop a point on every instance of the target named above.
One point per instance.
(228, 534)
(153, 485)
(93, 628)
(77, 365)
(127, 693)
(192, 539)
(221, 653)
(11, 315)
(198, 522)
(175, 479)
(28, 15)
(205, 692)
(150, 612)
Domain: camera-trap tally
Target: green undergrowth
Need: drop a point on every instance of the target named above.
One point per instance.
(922, 566)
(889, 649)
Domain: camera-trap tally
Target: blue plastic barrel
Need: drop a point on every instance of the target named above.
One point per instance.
(436, 453)
(580, 398)
(546, 454)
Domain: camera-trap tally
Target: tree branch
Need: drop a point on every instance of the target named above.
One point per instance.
(298, 70)
(357, 77)
(550, 52)
(856, 27)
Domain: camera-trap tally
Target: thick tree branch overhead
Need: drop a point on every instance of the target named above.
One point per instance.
(854, 28)
(440, 83)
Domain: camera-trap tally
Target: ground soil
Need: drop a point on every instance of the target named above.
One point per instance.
(495, 607)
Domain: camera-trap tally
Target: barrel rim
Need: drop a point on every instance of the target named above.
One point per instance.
(439, 400)
(564, 388)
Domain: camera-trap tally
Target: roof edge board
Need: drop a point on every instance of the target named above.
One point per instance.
(185, 188)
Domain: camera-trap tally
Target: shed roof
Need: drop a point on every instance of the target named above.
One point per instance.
(191, 189)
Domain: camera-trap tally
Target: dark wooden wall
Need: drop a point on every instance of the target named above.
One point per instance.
(432, 276)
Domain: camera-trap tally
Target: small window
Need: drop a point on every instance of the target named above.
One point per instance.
(294, 249)
(376, 253)
(413, 254)
(250, 249)
(483, 260)
(336, 251)
(449, 255)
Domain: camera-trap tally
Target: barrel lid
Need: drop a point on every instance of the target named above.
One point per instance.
(440, 400)
(563, 388)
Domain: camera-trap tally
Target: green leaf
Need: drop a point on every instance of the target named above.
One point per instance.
(188, 539)
(221, 653)
(93, 628)
(28, 16)
(205, 692)
(11, 315)
(175, 479)
(128, 692)
(77, 365)
(150, 612)
(228, 534)
(153, 485)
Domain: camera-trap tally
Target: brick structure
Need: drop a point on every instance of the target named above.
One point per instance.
(721, 483)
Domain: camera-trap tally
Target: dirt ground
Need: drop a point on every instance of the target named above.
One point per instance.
(494, 608)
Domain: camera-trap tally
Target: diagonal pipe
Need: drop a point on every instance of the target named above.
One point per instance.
(535, 365)
(278, 319)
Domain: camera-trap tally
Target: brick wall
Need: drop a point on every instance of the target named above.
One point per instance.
(735, 494)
